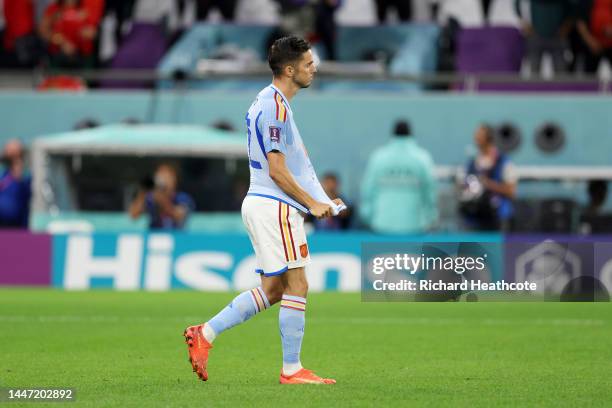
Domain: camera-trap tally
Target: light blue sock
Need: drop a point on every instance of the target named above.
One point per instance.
(242, 308)
(291, 319)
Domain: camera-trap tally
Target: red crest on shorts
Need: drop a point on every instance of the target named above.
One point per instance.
(304, 250)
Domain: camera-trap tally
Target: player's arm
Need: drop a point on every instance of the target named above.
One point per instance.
(280, 174)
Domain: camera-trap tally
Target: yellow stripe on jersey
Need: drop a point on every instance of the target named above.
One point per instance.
(281, 110)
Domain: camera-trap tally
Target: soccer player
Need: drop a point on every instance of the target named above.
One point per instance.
(283, 188)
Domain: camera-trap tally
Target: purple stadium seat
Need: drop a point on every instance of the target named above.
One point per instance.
(142, 48)
(490, 50)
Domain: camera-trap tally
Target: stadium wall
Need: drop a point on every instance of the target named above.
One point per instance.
(352, 123)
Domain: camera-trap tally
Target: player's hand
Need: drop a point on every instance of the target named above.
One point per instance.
(321, 210)
(339, 202)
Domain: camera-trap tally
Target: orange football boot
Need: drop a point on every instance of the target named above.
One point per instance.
(198, 348)
(304, 376)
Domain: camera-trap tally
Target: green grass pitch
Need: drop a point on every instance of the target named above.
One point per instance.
(126, 349)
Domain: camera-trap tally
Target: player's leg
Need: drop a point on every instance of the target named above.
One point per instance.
(239, 310)
(247, 304)
(292, 319)
(200, 338)
(273, 288)
(292, 313)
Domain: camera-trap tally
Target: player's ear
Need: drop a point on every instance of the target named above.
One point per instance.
(290, 70)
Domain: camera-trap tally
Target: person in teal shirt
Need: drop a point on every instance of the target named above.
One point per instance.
(398, 192)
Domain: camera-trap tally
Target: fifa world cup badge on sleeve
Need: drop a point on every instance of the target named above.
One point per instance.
(274, 134)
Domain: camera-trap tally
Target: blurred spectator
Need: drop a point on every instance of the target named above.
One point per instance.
(123, 10)
(594, 27)
(593, 219)
(331, 185)
(598, 192)
(398, 194)
(312, 19)
(70, 28)
(21, 44)
(546, 26)
(296, 18)
(167, 208)
(325, 25)
(491, 178)
(15, 189)
(403, 8)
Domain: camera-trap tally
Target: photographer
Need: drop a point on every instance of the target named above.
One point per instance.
(15, 189)
(167, 208)
(490, 185)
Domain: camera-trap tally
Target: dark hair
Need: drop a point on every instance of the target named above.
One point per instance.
(330, 175)
(402, 129)
(286, 50)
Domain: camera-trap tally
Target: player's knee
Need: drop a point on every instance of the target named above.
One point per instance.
(297, 287)
(274, 294)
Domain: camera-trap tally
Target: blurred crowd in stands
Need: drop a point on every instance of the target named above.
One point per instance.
(577, 34)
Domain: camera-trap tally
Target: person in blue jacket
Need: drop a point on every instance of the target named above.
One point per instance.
(497, 176)
(15, 187)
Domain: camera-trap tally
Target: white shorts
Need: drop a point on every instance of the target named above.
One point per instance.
(276, 230)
